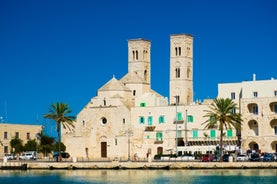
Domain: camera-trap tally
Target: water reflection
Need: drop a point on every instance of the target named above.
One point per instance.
(140, 176)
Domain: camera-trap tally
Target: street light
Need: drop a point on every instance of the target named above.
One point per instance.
(176, 126)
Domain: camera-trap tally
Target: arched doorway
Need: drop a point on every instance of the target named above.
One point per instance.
(253, 146)
(159, 150)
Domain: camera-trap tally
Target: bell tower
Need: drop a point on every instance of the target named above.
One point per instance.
(139, 58)
(181, 69)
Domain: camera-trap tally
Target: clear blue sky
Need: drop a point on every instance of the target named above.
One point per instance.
(67, 49)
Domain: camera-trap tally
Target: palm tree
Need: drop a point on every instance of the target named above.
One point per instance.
(58, 112)
(222, 116)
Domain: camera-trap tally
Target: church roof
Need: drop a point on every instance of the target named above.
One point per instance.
(132, 77)
(114, 85)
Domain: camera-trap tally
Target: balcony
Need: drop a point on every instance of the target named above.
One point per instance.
(158, 142)
(150, 128)
(178, 121)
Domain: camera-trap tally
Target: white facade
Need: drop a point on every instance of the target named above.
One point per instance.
(128, 118)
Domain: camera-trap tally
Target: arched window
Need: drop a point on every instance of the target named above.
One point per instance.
(188, 73)
(134, 92)
(179, 49)
(136, 55)
(176, 51)
(177, 72)
(145, 75)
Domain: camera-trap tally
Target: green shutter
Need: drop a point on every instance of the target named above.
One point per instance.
(190, 118)
(142, 104)
(161, 119)
(229, 133)
(195, 134)
(179, 116)
(212, 133)
(159, 136)
(149, 120)
(141, 120)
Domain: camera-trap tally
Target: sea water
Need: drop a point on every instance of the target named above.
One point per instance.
(224, 176)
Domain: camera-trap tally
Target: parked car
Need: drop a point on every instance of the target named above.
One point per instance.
(268, 157)
(255, 157)
(207, 158)
(63, 155)
(225, 157)
(10, 156)
(29, 155)
(242, 158)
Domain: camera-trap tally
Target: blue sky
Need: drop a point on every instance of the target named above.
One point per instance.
(67, 49)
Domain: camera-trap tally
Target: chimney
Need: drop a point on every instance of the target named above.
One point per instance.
(254, 77)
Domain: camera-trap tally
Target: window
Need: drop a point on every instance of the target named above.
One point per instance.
(148, 137)
(161, 119)
(177, 70)
(17, 135)
(179, 116)
(142, 104)
(150, 120)
(229, 133)
(195, 134)
(234, 111)
(141, 120)
(123, 121)
(275, 130)
(255, 109)
(275, 93)
(5, 135)
(84, 123)
(190, 118)
(275, 108)
(212, 134)
(104, 121)
(28, 136)
(177, 97)
(115, 142)
(255, 94)
(159, 136)
(179, 133)
(178, 51)
(6, 149)
(134, 92)
(233, 95)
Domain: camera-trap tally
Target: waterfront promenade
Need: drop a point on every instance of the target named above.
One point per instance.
(138, 165)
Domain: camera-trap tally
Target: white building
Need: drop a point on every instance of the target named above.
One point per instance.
(127, 117)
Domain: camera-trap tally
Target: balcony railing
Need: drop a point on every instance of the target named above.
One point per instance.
(150, 128)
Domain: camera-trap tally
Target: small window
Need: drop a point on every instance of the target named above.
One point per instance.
(229, 133)
(161, 119)
(28, 136)
(148, 137)
(141, 120)
(5, 135)
(177, 70)
(233, 95)
(17, 135)
(159, 136)
(212, 134)
(255, 110)
(190, 119)
(115, 142)
(255, 94)
(104, 121)
(275, 130)
(234, 111)
(195, 134)
(6, 149)
(123, 121)
(142, 104)
(179, 116)
(275, 93)
(84, 122)
(150, 120)
(134, 92)
(275, 108)
(179, 133)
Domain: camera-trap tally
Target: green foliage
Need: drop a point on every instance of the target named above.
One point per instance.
(221, 116)
(16, 145)
(31, 145)
(56, 147)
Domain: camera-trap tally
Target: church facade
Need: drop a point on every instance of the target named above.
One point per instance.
(128, 118)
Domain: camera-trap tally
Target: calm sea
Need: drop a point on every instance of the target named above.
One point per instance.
(245, 176)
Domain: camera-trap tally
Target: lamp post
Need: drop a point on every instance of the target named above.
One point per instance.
(176, 126)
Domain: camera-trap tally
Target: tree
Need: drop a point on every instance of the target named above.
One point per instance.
(31, 145)
(221, 115)
(46, 144)
(59, 113)
(16, 145)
